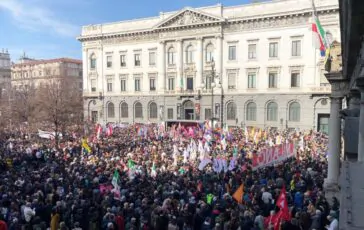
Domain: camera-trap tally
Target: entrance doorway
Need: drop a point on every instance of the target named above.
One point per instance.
(94, 116)
(188, 111)
(323, 122)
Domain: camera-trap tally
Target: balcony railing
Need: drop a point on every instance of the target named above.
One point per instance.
(321, 89)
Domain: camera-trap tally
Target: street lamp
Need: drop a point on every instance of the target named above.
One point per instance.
(211, 85)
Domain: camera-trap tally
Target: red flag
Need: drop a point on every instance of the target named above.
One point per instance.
(283, 213)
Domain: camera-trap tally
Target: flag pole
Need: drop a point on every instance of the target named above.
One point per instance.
(315, 48)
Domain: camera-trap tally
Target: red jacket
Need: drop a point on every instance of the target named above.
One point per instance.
(3, 225)
(119, 222)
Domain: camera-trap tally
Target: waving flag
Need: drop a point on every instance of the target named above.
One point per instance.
(318, 33)
(283, 213)
(115, 182)
(238, 194)
(85, 146)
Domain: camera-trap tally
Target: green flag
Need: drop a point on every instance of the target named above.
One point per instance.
(115, 179)
(131, 164)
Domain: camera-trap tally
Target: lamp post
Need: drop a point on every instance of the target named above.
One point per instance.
(211, 85)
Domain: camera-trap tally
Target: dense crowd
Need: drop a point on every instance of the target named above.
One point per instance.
(161, 182)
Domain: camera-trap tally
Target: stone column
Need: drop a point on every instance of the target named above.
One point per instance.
(334, 140)
(162, 66)
(360, 85)
(338, 90)
(199, 61)
(179, 64)
(218, 56)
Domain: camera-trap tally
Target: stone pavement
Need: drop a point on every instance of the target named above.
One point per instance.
(352, 196)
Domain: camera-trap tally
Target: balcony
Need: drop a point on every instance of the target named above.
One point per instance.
(321, 89)
(90, 94)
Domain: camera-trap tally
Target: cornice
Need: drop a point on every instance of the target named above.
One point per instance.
(154, 32)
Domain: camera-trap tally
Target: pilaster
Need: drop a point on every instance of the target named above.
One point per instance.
(199, 61)
(179, 64)
(360, 85)
(354, 99)
(218, 56)
(162, 65)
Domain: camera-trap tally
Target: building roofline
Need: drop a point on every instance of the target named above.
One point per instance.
(46, 61)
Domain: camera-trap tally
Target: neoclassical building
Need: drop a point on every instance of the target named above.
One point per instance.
(247, 65)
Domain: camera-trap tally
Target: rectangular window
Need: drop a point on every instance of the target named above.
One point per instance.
(232, 53)
(171, 57)
(208, 82)
(109, 61)
(251, 80)
(273, 49)
(189, 83)
(170, 113)
(295, 80)
(137, 85)
(272, 80)
(136, 59)
(93, 85)
(152, 84)
(171, 83)
(123, 85)
(109, 85)
(152, 58)
(93, 63)
(296, 48)
(232, 80)
(207, 114)
(252, 51)
(123, 60)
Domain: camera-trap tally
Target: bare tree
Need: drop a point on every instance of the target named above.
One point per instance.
(23, 109)
(59, 104)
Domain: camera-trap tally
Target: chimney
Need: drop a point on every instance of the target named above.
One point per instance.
(7, 51)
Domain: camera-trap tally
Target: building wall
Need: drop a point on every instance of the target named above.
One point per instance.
(5, 64)
(220, 27)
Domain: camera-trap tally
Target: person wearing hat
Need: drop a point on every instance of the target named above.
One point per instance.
(334, 223)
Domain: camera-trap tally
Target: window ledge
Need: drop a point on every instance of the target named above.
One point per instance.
(251, 89)
(273, 58)
(296, 57)
(252, 59)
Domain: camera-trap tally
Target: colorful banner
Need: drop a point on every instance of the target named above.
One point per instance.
(273, 155)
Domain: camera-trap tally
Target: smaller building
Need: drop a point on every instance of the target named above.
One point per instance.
(5, 68)
(32, 73)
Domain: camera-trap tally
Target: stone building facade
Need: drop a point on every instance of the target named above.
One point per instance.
(5, 69)
(248, 65)
(32, 73)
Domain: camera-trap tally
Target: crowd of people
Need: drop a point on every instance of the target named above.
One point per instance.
(144, 177)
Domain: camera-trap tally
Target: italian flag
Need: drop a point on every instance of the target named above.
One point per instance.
(115, 182)
(319, 38)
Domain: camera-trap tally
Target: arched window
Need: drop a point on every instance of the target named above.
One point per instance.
(110, 110)
(138, 110)
(294, 111)
(171, 54)
(93, 61)
(189, 54)
(251, 111)
(231, 111)
(209, 53)
(153, 110)
(124, 110)
(272, 111)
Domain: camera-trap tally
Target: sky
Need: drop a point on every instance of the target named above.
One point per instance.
(48, 28)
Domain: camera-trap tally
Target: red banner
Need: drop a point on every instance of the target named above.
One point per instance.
(273, 155)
